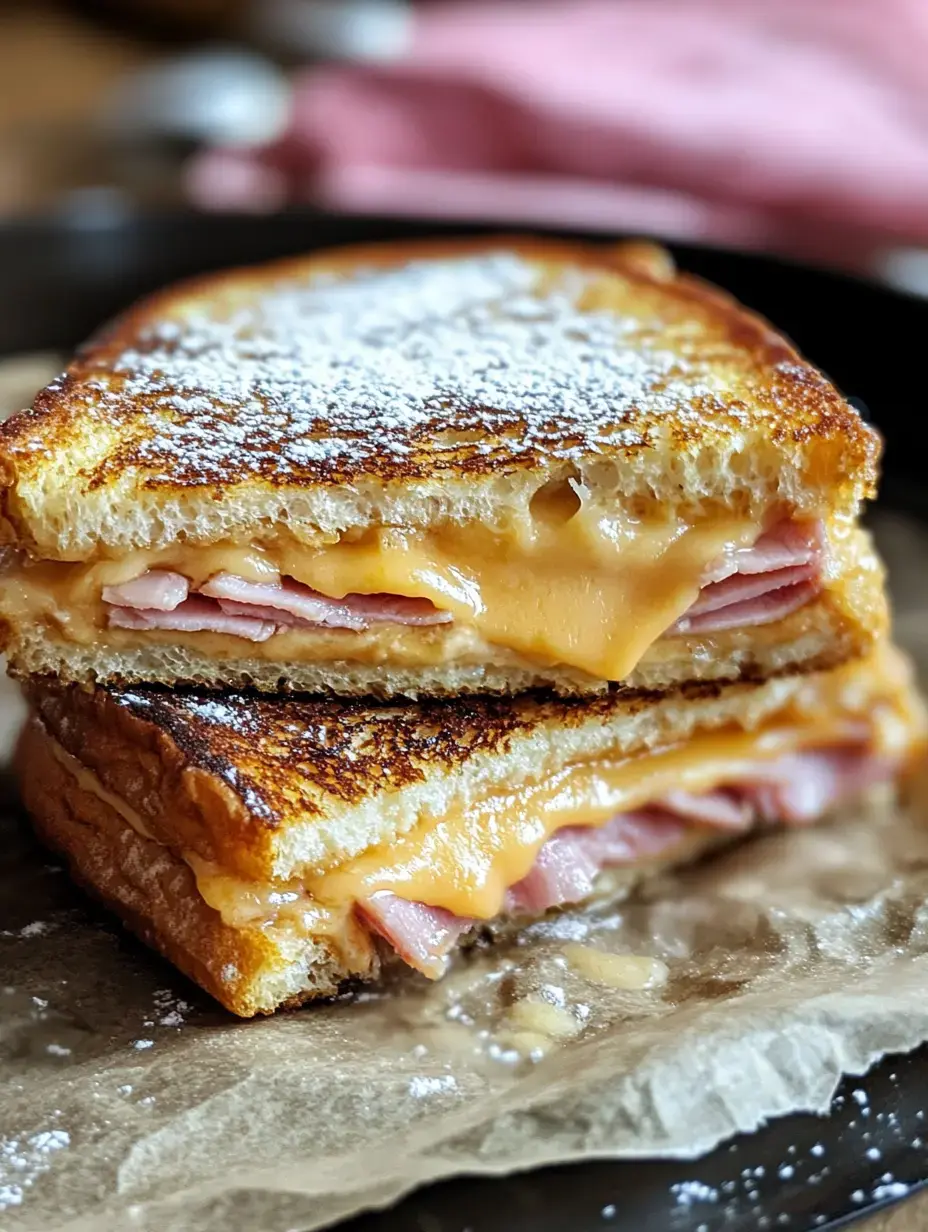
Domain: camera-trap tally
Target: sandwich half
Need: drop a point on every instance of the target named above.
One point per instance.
(425, 469)
(275, 850)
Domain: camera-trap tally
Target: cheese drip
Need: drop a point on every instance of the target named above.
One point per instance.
(571, 588)
(466, 860)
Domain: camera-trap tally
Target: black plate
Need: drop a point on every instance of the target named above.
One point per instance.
(60, 279)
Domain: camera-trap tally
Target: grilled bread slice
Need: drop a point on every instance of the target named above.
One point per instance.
(434, 468)
(274, 849)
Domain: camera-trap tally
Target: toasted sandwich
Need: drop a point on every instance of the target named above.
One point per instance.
(274, 850)
(427, 469)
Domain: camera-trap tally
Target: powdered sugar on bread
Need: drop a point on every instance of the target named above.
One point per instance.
(322, 377)
(419, 384)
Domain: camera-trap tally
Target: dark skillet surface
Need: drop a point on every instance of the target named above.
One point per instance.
(60, 279)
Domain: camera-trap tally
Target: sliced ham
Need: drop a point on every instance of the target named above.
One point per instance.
(571, 860)
(194, 615)
(254, 610)
(564, 872)
(422, 936)
(397, 610)
(721, 810)
(799, 788)
(632, 836)
(793, 789)
(286, 599)
(761, 584)
(157, 590)
(282, 620)
(757, 585)
(743, 588)
(761, 609)
(292, 602)
(782, 547)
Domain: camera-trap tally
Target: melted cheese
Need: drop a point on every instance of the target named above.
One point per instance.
(570, 588)
(88, 781)
(465, 861)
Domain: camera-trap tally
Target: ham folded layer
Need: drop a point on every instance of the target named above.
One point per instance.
(243, 608)
(748, 586)
(795, 789)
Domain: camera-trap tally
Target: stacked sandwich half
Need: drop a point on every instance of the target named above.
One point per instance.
(369, 600)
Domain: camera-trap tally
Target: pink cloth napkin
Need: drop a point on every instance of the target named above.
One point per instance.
(800, 125)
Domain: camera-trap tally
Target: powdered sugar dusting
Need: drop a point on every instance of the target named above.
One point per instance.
(23, 1160)
(218, 711)
(467, 362)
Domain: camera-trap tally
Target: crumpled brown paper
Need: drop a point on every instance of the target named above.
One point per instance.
(130, 1101)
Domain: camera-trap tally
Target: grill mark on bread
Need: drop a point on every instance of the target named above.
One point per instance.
(241, 389)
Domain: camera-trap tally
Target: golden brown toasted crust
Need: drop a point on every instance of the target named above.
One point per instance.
(183, 400)
(232, 777)
(344, 749)
(155, 894)
(184, 782)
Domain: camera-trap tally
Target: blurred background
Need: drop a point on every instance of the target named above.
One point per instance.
(793, 126)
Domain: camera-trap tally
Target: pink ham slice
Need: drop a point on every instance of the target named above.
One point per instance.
(194, 615)
(157, 590)
(292, 602)
(746, 587)
(783, 546)
(799, 788)
(795, 789)
(422, 936)
(761, 609)
(397, 610)
(564, 872)
(229, 604)
(761, 584)
(282, 620)
(722, 810)
(288, 602)
(571, 860)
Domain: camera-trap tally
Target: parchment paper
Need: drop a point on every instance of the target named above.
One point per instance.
(129, 1101)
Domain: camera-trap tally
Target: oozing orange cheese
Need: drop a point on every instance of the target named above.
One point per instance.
(466, 860)
(590, 595)
(586, 591)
